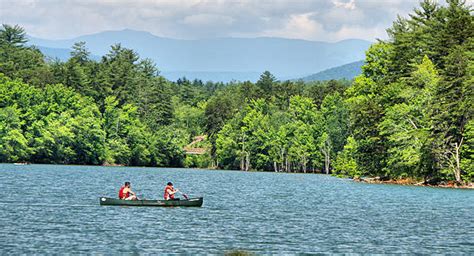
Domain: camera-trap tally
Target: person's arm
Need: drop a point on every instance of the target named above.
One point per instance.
(127, 190)
(171, 191)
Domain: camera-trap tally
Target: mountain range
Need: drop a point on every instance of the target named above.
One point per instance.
(347, 71)
(219, 59)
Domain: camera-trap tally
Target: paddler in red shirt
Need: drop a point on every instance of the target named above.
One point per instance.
(170, 191)
(125, 193)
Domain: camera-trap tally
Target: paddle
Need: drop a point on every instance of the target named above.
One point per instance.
(184, 195)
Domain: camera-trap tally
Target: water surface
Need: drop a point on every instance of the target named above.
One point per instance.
(55, 209)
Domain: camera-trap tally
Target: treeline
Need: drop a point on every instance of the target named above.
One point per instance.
(114, 111)
(411, 110)
(408, 115)
(282, 126)
(117, 110)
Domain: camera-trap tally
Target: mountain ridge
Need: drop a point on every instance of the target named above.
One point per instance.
(283, 57)
(347, 71)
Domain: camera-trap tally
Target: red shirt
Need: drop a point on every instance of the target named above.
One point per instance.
(122, 195)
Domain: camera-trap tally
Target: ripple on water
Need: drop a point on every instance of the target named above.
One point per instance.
(52, 209)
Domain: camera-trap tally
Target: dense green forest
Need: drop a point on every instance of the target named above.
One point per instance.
(409, 114)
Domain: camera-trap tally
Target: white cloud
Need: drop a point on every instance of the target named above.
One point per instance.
(324, 20)
(206, 19)
(298, 26)
(349, 5)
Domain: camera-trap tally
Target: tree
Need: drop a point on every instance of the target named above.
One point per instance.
(335, 116)
(13, 36)
(377, 62)
(345, 163)
(407, 119)
(226, 147)
(278, 140)
(366, 112)
(13, 144)
(19, 61)
(467, 162)
(253, 135)
(325, 145)
(117, 74)
(305, 129)
(266, 83)
(284, 91)
(407, 124)
(412, 38)
(219, 109)
(449, 112)
(79, 53)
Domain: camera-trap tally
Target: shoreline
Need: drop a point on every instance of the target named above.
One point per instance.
(368, 180)
(412, 182)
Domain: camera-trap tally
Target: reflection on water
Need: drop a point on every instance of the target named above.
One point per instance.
(54, 209)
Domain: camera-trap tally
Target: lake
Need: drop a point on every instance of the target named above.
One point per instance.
(55, 209)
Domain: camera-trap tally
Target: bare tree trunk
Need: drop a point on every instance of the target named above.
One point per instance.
(457, 168)
(326, 167)
(453, 158)
(243, 155)
(275, 166)
(327, 157)
(303, 164)
(282, 159)
(247, 161)
(326, 150)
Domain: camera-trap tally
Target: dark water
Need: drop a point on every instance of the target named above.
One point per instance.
(55, 209)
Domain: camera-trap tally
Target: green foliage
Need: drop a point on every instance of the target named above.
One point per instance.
(366, 112)
(406, 124)
(12, 35)
(377, 62)
(19, 61)
(266, 83)
(264, 138)
(126, 136)
(467, 162)
(13, 144)
(336, 120)
(409, 114)
(189, 118)
(317, 91)
(345, 163)
(197, 161)
(154, 102)
(411, 104)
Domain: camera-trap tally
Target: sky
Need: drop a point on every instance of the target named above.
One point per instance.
(316, 20)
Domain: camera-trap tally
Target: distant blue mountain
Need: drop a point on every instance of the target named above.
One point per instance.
(347, 71)
(221, 76)
(55, 53)
(223, 58)
(60, 53)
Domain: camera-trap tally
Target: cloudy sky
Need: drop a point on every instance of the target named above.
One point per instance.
(321, 20)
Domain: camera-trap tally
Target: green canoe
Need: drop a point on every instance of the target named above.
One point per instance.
(191, 202)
